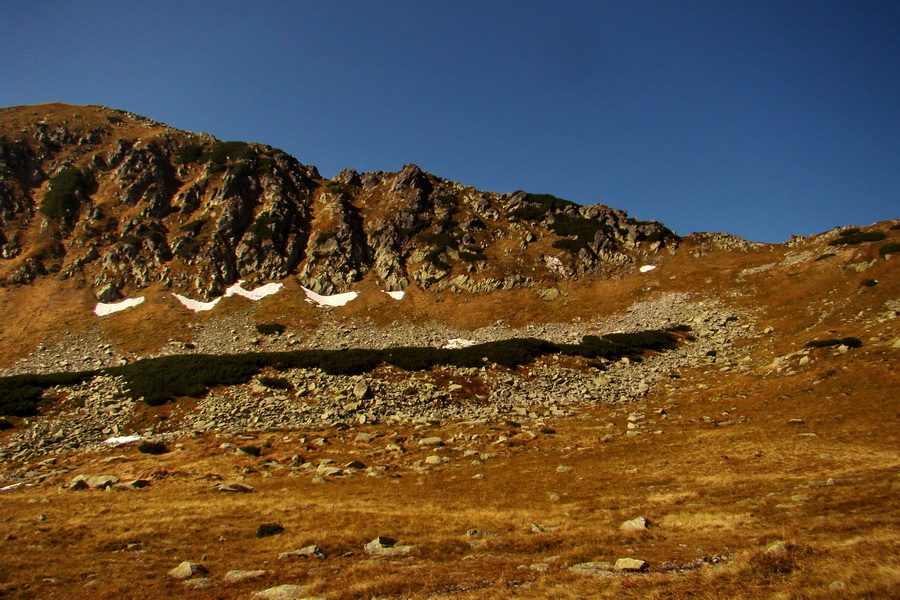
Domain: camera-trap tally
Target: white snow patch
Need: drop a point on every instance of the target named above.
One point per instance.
(646, 268)
(254, 294)
(395, 295)
(333, 300)
(125, 439)
(15, 485)
(458, 343)
(195, 305)
(101, 310)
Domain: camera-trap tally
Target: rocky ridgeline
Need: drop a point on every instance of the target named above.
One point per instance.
(96, 410)
(120, 202)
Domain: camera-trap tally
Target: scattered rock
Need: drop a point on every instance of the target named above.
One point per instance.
(306, 552)
(241, 488)
(198, 583)
(238, 576)
(93, 482)
(187, 570)
(636, 524)
(596, 569)
(631, 565)
(385, 546)
(282, 592)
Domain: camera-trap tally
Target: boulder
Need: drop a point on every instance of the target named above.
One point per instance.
(237, 576)
(636, 524)
(187, 570)
(282, 592)
(305, 552)
(631, 565)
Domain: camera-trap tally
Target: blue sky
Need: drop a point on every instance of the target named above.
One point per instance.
(759, 118)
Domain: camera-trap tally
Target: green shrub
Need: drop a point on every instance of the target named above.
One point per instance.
(187, 154)
(62, 200)
(440, 240)
(895, 227)
(858, 238)
(868, 283)
(472, 256)
(850, 342)
(4, 425)
(826, 255)
(260, 228)
(573, 246)
(114, 120)
(20, 394)
(225, 152)
(251, 450)
(195, 226)
(156, 448)
(270, 328)
(269, 529)
(159, 380)
(892, 248)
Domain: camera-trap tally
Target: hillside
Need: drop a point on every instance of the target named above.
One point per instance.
(721, 425)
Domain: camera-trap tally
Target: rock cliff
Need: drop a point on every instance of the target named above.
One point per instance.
(120, 202)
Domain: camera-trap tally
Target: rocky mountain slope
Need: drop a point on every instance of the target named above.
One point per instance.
(752, 456)
(118, 202)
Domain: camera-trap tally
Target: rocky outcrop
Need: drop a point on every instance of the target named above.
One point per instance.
(124, 202)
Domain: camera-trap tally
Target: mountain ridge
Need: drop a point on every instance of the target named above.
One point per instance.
(121, 201)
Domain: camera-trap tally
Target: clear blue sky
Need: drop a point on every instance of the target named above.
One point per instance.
(760, 118)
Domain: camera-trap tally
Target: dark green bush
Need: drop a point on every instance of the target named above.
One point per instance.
(251, 450)
(892, 248)
(539, 206)
(858, 238)
(440, 240)
(269, 529)
(573, 246)
(159, 380)
(826, 255)
(20, 394)
(225, 152)
(472, 256)
(62, 200)
(147, 447)
(895, 227)
(114, 120)
(868, 283)
(850, 342)
(270, 328)
(260, 228)
(4, 425)
(187, 154)
(195, 226)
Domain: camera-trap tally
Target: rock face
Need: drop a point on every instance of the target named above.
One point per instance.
(121, 202)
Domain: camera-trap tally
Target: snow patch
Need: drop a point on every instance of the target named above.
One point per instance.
(101, 310)
(333, 300)
(646, 268)
(195, 305)
(457, 343)
(15, 485)
(395, 295)
(254, 294)
(125, 439)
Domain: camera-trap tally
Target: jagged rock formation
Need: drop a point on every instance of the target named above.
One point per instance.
(121, 202)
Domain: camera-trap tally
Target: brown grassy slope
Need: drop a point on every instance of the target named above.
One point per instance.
(806, 456)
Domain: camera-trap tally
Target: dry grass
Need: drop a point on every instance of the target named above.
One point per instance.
(730, 488)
